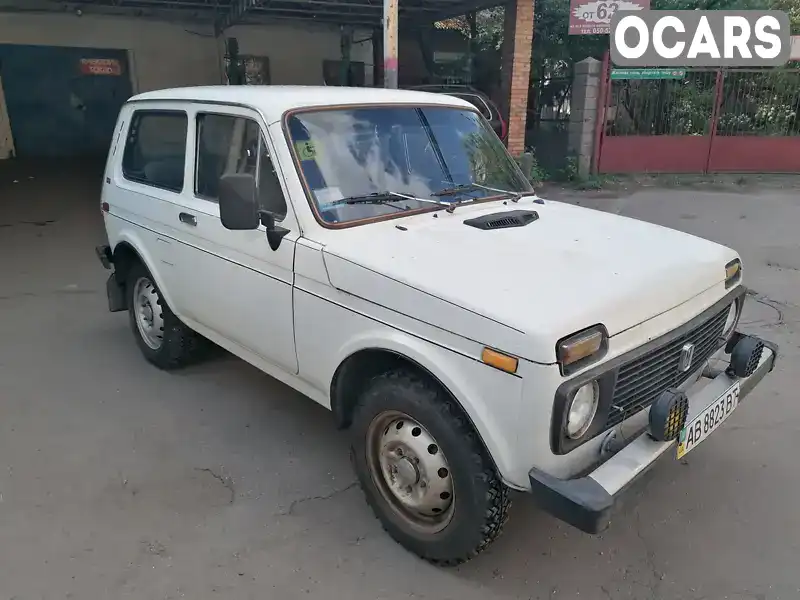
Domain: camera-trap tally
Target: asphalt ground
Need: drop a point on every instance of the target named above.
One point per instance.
(121, 481)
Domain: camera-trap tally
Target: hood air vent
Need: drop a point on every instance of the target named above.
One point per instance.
(503, 220)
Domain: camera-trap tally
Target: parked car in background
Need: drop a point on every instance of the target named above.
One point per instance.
(475, 97)
(382, 253)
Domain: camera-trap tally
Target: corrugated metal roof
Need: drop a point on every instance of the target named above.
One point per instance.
(345, 12)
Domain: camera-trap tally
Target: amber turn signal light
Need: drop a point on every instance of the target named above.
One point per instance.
(498, 360)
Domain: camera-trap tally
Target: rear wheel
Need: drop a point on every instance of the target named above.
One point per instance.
(163, 339)
(424, 471)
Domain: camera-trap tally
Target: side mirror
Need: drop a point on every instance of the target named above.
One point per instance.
(238, 208)
(275, 233)
(238, 205)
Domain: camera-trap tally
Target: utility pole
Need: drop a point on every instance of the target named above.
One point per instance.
(390, 43)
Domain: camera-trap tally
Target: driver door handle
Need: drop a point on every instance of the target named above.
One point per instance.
(188, 219)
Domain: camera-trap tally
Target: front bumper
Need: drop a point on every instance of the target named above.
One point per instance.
(588, 502)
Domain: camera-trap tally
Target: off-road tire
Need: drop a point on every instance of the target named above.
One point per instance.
(181, 345)
(482, 500)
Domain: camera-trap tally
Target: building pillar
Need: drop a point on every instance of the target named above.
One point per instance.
(6, 140)
(516, 69)
(345, 46)
(583, 113)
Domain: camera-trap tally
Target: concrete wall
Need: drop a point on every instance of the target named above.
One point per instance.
(296, 52)
(163, 54)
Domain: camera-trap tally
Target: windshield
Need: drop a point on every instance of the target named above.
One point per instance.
(387, 157)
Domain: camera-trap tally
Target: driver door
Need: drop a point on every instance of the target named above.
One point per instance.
(235, 284)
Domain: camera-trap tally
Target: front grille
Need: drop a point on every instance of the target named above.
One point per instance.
(640, 382)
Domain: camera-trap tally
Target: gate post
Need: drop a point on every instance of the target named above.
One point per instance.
(714, 118)
(583, 112)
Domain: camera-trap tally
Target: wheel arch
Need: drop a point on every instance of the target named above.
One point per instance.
(361, 365)
(125, 255)
(128, 251)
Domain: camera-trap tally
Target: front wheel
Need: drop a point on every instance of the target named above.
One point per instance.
(424, 471)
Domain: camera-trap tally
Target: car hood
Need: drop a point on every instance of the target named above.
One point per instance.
(572, 268)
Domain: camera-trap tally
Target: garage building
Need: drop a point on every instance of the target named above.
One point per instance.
(65, 76)
(67, 67)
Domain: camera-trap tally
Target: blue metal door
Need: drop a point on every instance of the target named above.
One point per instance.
(63, 101)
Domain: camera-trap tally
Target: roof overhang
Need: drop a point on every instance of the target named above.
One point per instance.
(226, 13)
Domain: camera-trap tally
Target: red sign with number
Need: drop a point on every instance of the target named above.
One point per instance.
(592, 17)
(100, 66)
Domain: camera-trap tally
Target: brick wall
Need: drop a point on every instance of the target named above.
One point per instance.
(516, 69)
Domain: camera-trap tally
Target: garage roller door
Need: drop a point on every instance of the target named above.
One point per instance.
(63, 101)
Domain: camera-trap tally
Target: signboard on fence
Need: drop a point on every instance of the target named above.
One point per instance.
(593, 17)
(648, 73)
(100, 66)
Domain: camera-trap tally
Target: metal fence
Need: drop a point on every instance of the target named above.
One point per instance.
(760, 102)
(547, 128)
(750, 102)
(702, 120)
(662, 106)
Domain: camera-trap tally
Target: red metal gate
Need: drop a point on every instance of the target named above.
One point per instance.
(738, 120)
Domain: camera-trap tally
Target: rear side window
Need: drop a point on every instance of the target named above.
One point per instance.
(155, 149)
(478, 103)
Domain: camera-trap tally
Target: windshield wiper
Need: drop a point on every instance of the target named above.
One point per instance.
(387, 197)
(470, 187)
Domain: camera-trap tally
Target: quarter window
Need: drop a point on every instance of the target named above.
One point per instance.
(229, 144)
(478, 103)
(155, 149)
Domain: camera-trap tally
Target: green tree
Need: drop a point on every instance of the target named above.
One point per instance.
(555, 52)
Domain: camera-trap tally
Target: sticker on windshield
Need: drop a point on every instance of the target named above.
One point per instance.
(306, 150)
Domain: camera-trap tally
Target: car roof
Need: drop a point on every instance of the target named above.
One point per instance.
(274, 100)
(452, 87)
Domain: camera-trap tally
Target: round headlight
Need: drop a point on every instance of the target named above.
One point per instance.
(730, 322)
(582, 409)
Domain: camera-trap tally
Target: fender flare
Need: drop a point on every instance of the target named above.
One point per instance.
(412, 349)
(131, 240)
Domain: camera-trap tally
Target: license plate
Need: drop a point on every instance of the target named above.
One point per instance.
(699, 428)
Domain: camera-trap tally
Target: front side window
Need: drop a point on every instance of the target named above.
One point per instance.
(155, 149)
(230, 144)
(361, 163)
